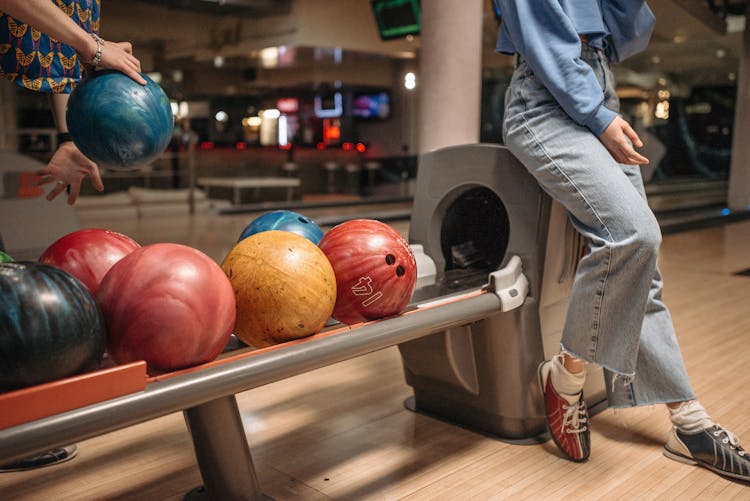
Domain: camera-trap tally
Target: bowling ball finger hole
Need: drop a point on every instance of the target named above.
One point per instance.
(390, 259)
(400, 271)
(303, 220)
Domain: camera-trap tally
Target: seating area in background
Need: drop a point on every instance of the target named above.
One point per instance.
(145, 202)
(224, 178)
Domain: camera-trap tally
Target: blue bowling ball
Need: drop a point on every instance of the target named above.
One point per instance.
(50, 324)
(284, 220)
(118, 123)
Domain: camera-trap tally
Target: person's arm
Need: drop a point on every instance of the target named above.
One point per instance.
(50, 20)
(68, 165)
(630, 24)
(547, 40)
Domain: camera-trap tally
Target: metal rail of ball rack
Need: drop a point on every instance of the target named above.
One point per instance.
(207, 396)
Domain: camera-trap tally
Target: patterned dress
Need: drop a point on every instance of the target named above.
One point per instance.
(37, 62)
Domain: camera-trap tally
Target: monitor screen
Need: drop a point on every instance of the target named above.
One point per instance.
(396, 18)
(374, 105)
(329, 105)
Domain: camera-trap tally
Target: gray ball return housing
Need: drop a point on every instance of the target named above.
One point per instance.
(475, 209)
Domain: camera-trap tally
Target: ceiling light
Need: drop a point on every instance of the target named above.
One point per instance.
(269, 57)
(410, 80)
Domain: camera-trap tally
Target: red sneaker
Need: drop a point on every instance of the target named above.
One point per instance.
(567, 423)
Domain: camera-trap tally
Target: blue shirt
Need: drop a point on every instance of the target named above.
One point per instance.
(546, 34)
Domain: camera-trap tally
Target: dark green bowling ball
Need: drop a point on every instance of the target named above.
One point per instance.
(50, 326)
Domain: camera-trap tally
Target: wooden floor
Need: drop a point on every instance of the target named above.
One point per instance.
(342, 432)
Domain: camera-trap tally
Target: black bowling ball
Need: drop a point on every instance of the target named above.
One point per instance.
(50, 326)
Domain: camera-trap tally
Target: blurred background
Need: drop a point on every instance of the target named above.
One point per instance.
(328, 92)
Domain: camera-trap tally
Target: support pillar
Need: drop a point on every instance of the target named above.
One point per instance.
(222, 452)
(450, 73)
(739, 173)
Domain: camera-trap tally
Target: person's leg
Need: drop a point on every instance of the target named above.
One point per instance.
(611, 292)
(661, 376)
(694, 438)
(616, 318)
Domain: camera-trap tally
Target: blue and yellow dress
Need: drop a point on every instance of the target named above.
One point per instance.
(37, 62)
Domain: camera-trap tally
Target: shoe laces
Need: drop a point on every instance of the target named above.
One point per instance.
(731, 439)
(575, 417)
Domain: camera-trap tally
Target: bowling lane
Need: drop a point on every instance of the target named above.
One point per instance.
(216, 234)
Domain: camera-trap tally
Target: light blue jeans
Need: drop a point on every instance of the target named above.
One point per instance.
(616, 317)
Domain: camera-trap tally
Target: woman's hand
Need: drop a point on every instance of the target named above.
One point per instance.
(118, 56)
(68, 167)
(619, 138)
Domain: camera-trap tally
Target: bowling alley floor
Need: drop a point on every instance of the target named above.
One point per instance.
(342, 432)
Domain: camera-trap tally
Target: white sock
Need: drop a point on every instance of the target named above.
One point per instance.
(690, 417)
(567, 384)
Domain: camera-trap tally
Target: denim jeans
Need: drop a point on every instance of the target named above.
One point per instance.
(616, 317)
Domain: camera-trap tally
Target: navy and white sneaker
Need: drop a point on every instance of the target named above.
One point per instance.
(714, 448)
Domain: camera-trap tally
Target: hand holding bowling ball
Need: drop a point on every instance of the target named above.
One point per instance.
(50, 326)
(284, 220)
(167, 304)
(117, 122)
(375, 268)
(284, 286)
(88, 254)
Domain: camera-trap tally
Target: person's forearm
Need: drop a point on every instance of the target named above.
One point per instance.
(50, 20)
(59, 102)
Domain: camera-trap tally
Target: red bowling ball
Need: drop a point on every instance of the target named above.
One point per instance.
(88, 254)
(167, 304)
(375, 270)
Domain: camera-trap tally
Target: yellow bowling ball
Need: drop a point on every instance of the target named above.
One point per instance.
(284, 286)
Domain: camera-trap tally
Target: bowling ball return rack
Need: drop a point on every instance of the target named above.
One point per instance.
(470, 346)
(39, 418)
